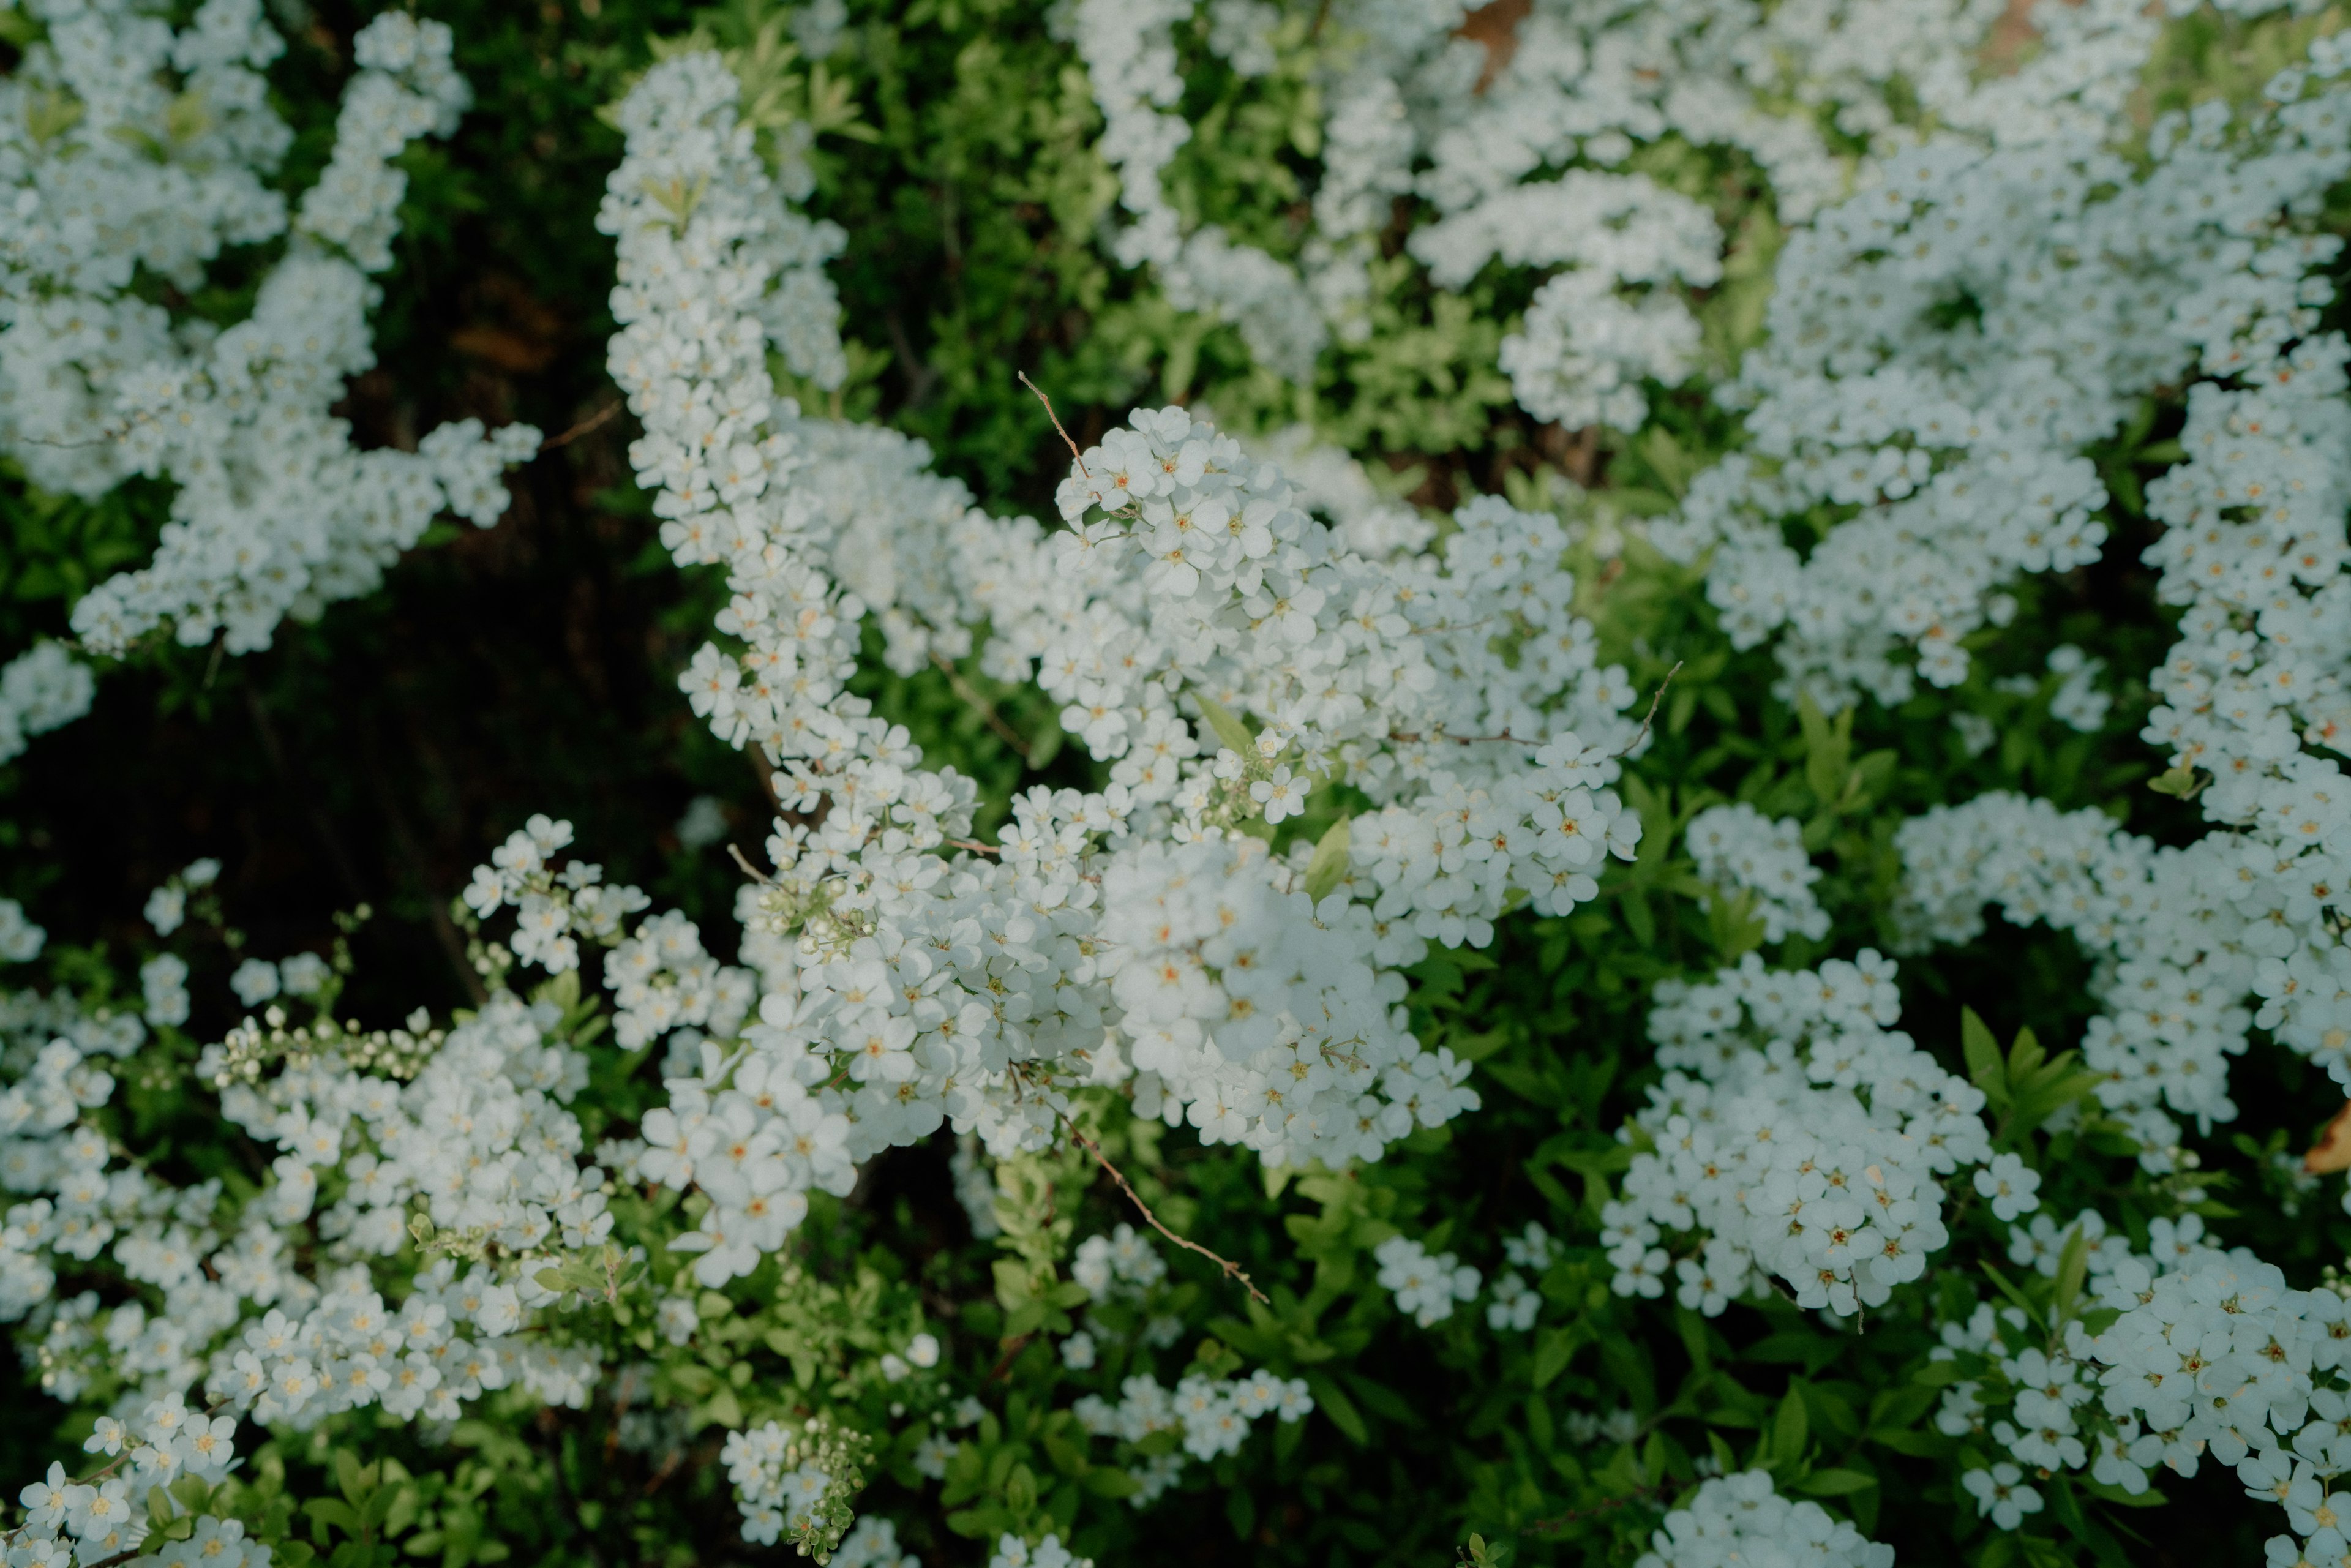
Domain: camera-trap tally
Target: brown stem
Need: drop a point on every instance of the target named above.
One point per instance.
(1654, 701)
(1056, 418)
(1560, 1522)
(1231, 1269)
(1012, 1347)
(978, 699)
(599, 417)
(1407, 734)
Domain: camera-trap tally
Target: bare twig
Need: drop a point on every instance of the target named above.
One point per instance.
(1560, 1522)
(1231, 1269)
(601, 416)
(1056, 418)
(1654, 701)
(754, 872)
(978, 699)
(1012, 1348)
(668, 1468)
(974, 845)
(1408, 736)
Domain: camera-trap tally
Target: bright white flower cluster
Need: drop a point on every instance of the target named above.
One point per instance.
(459, 1140)
(1523, 155)
(776, 1487)
(21, 941)
(1808, 1146)
(1011, 1552)
(873, 1542)
(1942, 460)
(129, 149)
(1121, 1264)
(42, 689)
(964, 981)
(1583, 347)
(1739, 849)
(1739, 1522)
(2079, 702)
(2208, 1352)
(1131, 62)
(1426, 1286)
(1213, 1415)
(105, 1516)
(2194, 937)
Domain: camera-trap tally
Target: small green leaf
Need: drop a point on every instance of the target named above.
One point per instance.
(1328, 866)
(1331, 1401)
(2073, 1268)
(1985, 1069)
(1791, 1430)
(1553, 1354)
(1234, 735)
(1836, 1483)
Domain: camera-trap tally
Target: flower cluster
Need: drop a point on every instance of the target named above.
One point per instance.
(1949, 460)
(1739, 1522)
(42, 689)
(956, 980)
(1130, 61)
(793, 1484)
(2203, 1353)
(1516, 1304)
(1211, 1414)
(1011, 1552)
(1739, 850)
(1808, 1150)
(1524, 155)
(1425, 1287)
(135, 149)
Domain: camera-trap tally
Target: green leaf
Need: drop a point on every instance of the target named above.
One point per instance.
(1836, 1483)
(1331, 1401)
(1109, 1480)
(1791, 1430)
(1985, 1069)
(1328, 866)
(2024, 1056)
(2073, 1268)
(1234, 735)
(1552, 1353)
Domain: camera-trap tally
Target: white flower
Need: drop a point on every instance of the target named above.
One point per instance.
(2013, 1189)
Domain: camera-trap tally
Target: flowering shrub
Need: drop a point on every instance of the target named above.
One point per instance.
(1552, 782)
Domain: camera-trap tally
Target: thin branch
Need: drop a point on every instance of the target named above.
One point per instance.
(754, 872)
(1012, 1348)
(1231, 1269)
(1056, 418)
(1654, 701)
(599, 417)
(972, 694)
(1560, 1522)
(974, 845)
(1406, 736)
